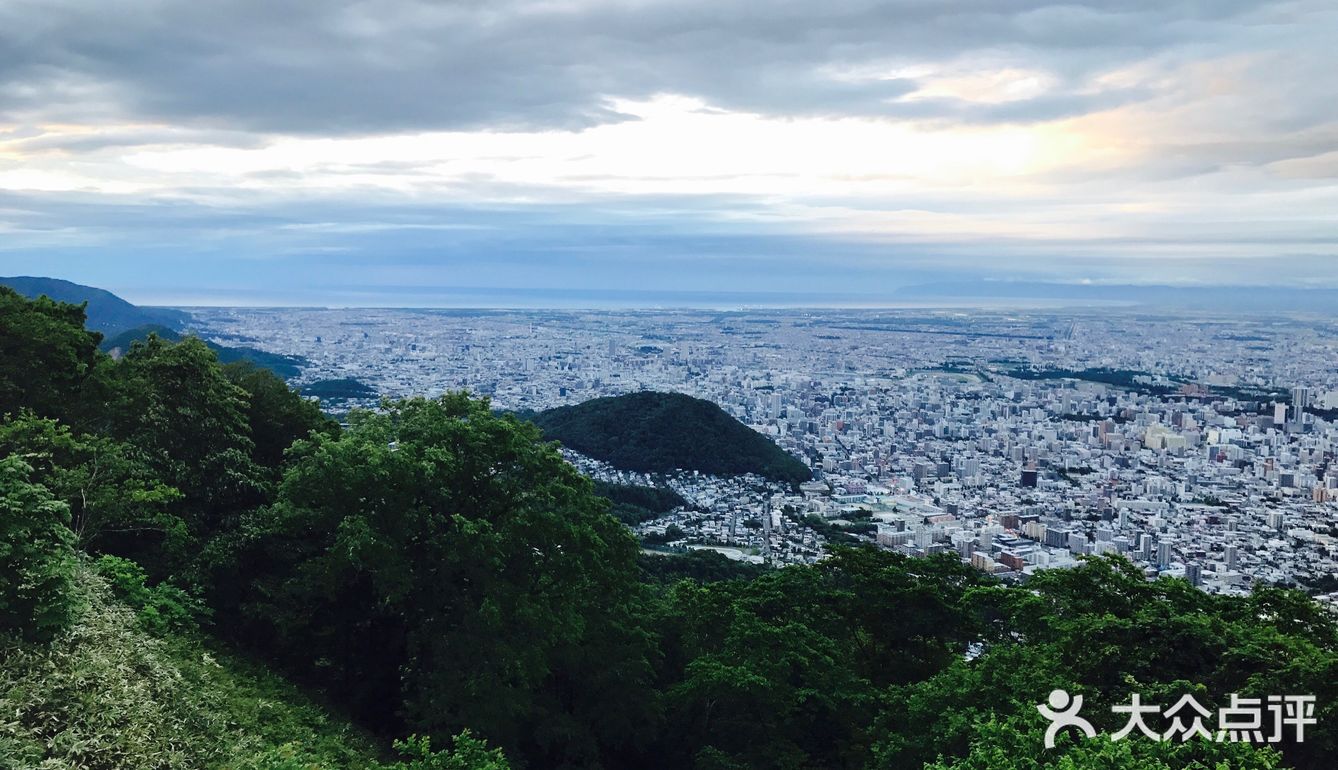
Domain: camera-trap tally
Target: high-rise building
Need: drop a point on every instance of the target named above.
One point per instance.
(1145, 547)
(1163, 553)
(1077, 542)
(1302, 397)
(1194, 574)
(1057, 538)
(1230, 556)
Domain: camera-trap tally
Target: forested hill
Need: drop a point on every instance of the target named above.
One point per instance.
(106, 312)
(660, 432)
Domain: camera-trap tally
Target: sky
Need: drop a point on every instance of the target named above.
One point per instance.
(358, 153)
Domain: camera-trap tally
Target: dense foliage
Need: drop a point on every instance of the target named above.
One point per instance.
(440, 557)
(36, 556)
(173, 532)
(700, 566)
(634, 503)
(45, 354)
(342, 389)
(661, 432)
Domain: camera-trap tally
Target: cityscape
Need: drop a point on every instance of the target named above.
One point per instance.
(1197, 445)
(668, 385)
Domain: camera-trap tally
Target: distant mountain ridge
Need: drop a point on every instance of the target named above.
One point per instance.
(107, 313)
(656, 432)
(122, 324)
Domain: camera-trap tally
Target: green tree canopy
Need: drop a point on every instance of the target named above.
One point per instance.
(175, 404)
(441, 557)
(117, 504)
(36, 556)
(45, 354)
(276, 415)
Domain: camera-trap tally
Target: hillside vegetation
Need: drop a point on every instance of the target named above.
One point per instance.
(633, 503)
(662, 432)
(107, 693)
(284, 366)
(200, 570)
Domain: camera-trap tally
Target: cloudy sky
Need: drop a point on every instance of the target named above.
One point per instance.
(288, 151)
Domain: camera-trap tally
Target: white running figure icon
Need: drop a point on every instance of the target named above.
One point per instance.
(1063, 712)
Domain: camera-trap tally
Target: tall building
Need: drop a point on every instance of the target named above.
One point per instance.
(1163, 553)
(1194, 573)
(1077, 543)
(1230, 555)
(1302, 397)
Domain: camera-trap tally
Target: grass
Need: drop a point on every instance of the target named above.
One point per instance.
(107, 695)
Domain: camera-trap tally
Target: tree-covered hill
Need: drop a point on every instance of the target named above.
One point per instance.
(107, 313)
(341, 389)
(661, 432)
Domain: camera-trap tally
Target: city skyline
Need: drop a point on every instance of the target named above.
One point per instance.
(186, 154)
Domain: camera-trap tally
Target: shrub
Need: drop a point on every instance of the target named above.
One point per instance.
(161, 608)
(466, 753)
(36, 556)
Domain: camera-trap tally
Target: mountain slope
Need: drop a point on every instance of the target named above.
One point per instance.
(286, 367)
(659, 432)
(108, 694)
(107, 313)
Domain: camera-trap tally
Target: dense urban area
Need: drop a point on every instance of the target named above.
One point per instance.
(1198, 446)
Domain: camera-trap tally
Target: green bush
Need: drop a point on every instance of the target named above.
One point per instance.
(466, 753)
(161, 608)
(36, 556)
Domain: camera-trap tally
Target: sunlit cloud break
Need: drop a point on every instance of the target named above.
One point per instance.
(848, 147)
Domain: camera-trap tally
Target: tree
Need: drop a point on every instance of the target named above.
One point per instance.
(45, 354)
(36, 556)
(1102, 630)
(117, 503)
(785, 670)
(466, 753)
(276, 415)
(440, 557)
(174, 403)
(1016, 744)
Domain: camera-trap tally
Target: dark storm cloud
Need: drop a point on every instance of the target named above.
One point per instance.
(289, 66)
